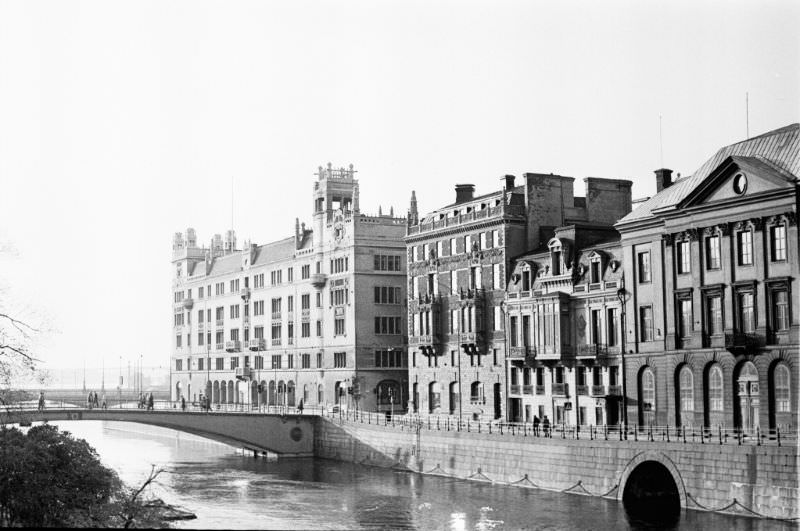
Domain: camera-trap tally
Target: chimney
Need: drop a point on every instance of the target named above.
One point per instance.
(509, 181)
(663, 179)
(464, 192)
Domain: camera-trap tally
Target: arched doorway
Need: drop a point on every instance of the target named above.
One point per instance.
(223, 392)
(337, 392)
(272, 394)
(178, 389)
(231, 393)
(651, 494)
(647, 396)
(684, 380)
(388, 395)
(453, 397)
(254, 394)
(290, 392)
(320, 394)
(216, 392)
(281, 393)
(747, 401)
(264, 395)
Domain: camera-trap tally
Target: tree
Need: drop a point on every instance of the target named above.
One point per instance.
(50, 479)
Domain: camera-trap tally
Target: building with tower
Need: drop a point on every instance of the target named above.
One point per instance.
(318, 316)
(459, 257)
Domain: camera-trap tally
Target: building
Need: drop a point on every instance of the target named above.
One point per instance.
(711, 269)
(317, 316)
(564, 329)
(458, 257)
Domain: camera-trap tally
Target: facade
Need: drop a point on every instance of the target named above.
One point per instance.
(711, 263)
(458, 257)
(564, 329)
(317, 316)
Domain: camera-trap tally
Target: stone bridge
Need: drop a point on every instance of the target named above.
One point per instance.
(286, 435)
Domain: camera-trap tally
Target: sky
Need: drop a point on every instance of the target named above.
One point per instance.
(124, 122)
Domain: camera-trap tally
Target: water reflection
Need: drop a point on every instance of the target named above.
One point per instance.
(228, 490)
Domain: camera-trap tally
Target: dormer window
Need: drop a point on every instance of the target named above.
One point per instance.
(594, 270)
(555, 259)
(526, 279)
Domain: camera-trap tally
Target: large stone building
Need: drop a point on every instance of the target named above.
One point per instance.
(318, 316)
(711, 269)
(458, 258)
(564, 329)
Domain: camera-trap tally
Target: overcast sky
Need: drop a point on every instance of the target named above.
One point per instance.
(123, 122)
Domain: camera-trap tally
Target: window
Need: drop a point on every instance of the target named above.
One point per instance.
(178, 365)
(594, 271)
(305, 271)
(388, 325)
(178, 340)
(201, 364)
(612, 325)
(258, 332)
(648, 386)
(338, 327)
(452, 246)
(200, 339)
(234, 311)
(276, 361)
(305, 301)
(276, 334)
(234, 363)
(290, 274)
(387, 295)
(745, 247)
(781, 377)
(686, 382)
(384, 262)
(276, 308)
(389, 358)
(305, 361)
(780, 310)
(200, 292)
(339, 360)
(319, 360)
(475, 277)
(258, 308)
(714, 317)
(234, 334)
(684, 256)
(495, 238)
(483, 240)
(258, 281)
(319, 299)
(219, 364)
(319, 328)
(715, 400)
(643, 260)
(778, 240)
(712, 252)
(290, 361)
(305, 329)
(747, 322)
(467, 244)
(685, 318)
(513, 336)
(453, 282)
(290, 332)
(497, 277)
(555, 260)
(290, 303)
(476, 393)
(498, 318)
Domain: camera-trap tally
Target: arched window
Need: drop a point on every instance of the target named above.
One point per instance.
(715, 401)
(434, 396)
(648, 386)
(476, 393)
(305, 393)
(320, 394)
(686, 380)
(781, 378)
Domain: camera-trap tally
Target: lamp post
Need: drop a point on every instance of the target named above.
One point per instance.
(621, 296)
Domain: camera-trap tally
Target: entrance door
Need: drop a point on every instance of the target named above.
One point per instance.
(748, 400)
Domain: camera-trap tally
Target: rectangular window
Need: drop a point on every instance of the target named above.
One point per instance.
(714, 317)
(482, 240)
(234, 363)
(178, 365)
(495, 238)
(305, 272)
(513, 335)
(452, 246)
(319, 299)
(745, 241)
(684, 256)
(780, 310)
(338, 327)
(497, 277)
(201, 364)
(712, 252)
(386, 263)
(219, 364)
(178, 340)
(388, 325)
(290, 361)
(646, 323)
(305, 301)
(644, 266)
(319, 328)
(498, 318)
(339, 360)
(685, 318)
(305, 329)
(290, 274)
(778, 239)
(612, 325)
(276, 361)
(747, 321)
(319, 360)
(305, 361)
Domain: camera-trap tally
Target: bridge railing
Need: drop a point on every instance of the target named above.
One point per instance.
(633, 433)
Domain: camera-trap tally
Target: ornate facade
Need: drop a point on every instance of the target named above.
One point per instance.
(317, 316)
(712, 266)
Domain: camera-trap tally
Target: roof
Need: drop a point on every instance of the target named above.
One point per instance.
(433, 215)
(275, 251)
(777, 151)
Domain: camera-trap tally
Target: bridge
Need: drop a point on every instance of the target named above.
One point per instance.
(287, 435)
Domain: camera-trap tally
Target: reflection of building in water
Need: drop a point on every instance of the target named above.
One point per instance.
(317, 316)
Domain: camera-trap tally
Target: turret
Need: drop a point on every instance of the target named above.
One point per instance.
(413, 214)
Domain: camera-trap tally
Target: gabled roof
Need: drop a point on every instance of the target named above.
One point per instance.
(275, 251)
(775, 152)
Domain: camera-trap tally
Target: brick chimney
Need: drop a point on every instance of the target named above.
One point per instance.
(509, 179)
(464, 192)
(663, 179)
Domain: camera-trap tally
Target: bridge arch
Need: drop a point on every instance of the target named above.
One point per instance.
(651, 483)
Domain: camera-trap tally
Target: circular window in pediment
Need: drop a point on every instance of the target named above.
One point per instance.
(739, 183)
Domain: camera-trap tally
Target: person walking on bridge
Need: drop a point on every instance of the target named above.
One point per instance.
(41, 400)
(96, 401)
(89, 400)
(150, 402)
(183, 403)
(105, 404)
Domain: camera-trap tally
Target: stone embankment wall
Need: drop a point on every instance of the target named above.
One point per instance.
(763, 479)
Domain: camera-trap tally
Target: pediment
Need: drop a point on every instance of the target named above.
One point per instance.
(739, 177)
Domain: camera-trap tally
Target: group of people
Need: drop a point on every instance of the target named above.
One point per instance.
(145, 401)
(545, 422)
(92, 401)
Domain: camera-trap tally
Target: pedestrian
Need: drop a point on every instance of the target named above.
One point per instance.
(536, 425)
(105, 404)
(300, 407)
(140, 405)
(89, 400)
(96, 401)
(183, 403)
(546, 425)
(150, 401)
(41, 400)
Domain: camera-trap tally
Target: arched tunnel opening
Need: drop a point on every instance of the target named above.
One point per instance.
(651, 494)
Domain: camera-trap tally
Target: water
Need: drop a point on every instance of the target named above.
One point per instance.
(228, 490)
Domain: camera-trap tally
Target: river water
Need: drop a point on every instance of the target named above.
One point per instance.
(228, 490)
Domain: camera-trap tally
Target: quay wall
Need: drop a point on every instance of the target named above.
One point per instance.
(763, 479)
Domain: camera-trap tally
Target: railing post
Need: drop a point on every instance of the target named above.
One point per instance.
(758, 436)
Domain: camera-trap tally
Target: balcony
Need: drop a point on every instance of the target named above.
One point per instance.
(188, 303)
(615, 390)
(539, 389)
(582, 390)
(276, 316)
(477, 400)
(245, 294)
(522, 352)
(276, 342)
(220, 346)
(246, 321)
(741, 341)
(560, 389)
(233, 346)
(553, 352)
(598, 390)
(527, 389)
(318, 280)
(242, 373)
(257, 344)
(515, 389)
(427, 340)
(220, 323)
(596, 350)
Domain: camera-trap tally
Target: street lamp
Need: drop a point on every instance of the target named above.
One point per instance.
(621, 296)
